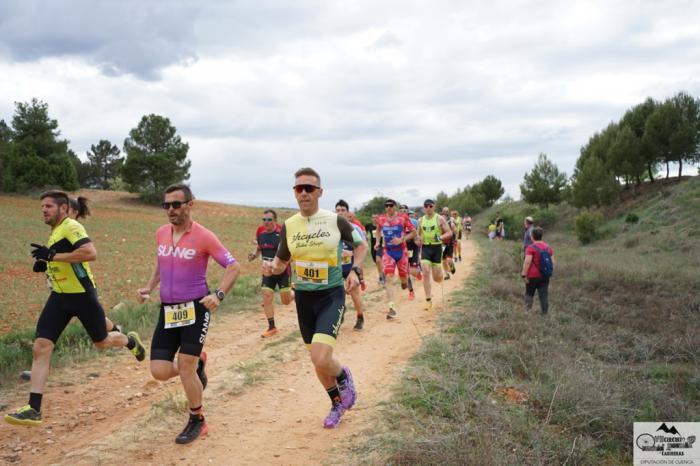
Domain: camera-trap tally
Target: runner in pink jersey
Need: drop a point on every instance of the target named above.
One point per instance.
(183, 249)
(183, 267)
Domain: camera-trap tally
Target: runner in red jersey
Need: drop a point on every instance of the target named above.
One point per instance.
(395, 229)
(183, 249)
(267, 238)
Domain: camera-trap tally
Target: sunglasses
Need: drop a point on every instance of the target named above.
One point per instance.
(309, 188)
(265, 219)
(175, 204)
(428, 206)
(390, 205)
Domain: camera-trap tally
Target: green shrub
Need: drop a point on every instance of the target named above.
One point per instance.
(545, 218)
(631, 218)
(586, 225)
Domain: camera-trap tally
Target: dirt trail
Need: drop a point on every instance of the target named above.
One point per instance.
(264, 404)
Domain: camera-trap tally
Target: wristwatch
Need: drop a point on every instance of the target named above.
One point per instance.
(220, 294)
(358, 271)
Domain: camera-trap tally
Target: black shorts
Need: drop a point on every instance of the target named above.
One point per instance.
(189, 339)
(273, 281)
(320, 314)
(459, 235)
(62, 307)
(413, 254)
(448, 251)
(432, 253)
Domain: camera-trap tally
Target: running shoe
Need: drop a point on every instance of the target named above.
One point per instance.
(348, 394)
(333, 419)
(453, 269)
(269, 332)
(428, 305)
(138, 350)
(391, 315)
(24, 416)
(118, 328)
(360, 323)
(382, 280)
(196, 427)
(25, 375)
(447, 276)
(411, 295)
(200, 369)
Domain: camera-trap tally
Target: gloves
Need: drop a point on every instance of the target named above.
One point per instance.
(39, 266)
(42, 252)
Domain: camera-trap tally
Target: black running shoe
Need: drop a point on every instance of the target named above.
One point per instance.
(360, 323)
(196, 427)
(200, 369)
(453, 269)
(138, 350)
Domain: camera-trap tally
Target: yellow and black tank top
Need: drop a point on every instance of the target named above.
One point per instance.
(315, 245)
(430, 230)
(65, 277)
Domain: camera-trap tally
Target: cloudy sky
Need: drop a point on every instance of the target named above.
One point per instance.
(401, 98)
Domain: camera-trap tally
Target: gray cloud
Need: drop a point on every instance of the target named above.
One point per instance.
(117, 37)
(403, 99)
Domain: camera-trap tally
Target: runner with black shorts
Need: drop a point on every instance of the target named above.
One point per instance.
(433, 230)
(348, 255)
(312, 239)
(66, 262)
(448, 263)
(412, 251)
(376, 249)
(268, 239)
(183, 249)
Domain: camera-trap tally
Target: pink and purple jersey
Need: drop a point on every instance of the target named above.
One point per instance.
(183, 268)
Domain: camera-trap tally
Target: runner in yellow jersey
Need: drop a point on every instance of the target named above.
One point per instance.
(66, 262)
(313, 239)
(458, 241)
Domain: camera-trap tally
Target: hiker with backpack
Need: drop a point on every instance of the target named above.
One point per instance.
(538, 267)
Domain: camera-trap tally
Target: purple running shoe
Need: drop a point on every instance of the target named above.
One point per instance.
(348, 394)
(333, 419)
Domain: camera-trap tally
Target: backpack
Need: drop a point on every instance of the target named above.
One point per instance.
(546, 264)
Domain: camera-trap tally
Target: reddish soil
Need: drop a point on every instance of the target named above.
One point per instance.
(264, 404)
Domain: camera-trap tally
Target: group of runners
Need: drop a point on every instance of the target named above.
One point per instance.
(314, 258)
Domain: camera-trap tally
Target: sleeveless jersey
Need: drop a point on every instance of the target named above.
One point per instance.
(430, 230)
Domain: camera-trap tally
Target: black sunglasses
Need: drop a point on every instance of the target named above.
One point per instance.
(428, 205)
(309, 188)
(175, 204)
(390, 205)
(266, 219)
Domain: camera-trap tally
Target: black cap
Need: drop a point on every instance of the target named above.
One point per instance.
(428, 201)
(390, 201)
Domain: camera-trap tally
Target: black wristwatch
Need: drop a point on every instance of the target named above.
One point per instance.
(220, 294)
(358, 271)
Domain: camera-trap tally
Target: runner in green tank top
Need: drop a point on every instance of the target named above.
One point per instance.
(433, 231)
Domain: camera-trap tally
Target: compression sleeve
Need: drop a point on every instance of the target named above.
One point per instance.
(283, 249)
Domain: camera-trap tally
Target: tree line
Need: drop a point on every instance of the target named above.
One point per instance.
(649, 135)
(34, 156)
